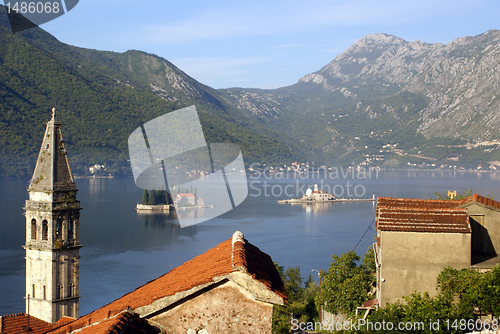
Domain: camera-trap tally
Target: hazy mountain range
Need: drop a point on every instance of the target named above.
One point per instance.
(384, 101)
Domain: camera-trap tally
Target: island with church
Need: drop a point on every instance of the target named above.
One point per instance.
(321, 196)
(162, 201)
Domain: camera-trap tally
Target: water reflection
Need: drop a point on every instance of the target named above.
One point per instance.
(123, 249)
(315, 207)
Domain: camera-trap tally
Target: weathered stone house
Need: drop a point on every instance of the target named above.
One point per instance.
(416, 239)
(231, 288)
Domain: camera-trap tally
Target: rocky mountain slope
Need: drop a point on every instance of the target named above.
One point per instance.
(385, 90)
(383, 102)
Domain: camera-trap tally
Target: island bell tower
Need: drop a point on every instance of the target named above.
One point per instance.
(52, 223)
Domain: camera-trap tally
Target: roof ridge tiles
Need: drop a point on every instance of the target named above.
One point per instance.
(238, 255)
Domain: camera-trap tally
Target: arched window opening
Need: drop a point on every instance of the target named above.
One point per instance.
(58, 228)
(71, 291)
(70, 228)
(59, 291)
(45, 229)
(33, 228)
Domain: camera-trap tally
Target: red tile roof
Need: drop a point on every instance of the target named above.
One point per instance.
(65, 320)
(415, 203)
(125, 322)
(423, 220)
(421, 215)
(185, 195)
(480, 199)
(234, 254)
(17, 324)
(435, 204)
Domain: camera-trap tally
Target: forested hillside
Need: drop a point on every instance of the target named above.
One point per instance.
(98, 103)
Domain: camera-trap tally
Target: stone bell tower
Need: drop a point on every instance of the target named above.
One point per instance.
(52, 223)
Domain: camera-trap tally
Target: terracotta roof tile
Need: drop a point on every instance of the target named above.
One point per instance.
(218, 261)
(480, 199)
(65, 320)
(125, 322)
(435, 204)
(17, 324)
(423, 220)
(416, 215)
(416, 203)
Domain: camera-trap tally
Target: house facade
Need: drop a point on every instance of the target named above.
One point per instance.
(231, 288)
(416, 239)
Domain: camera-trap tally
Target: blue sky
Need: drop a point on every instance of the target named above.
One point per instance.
(262, 44)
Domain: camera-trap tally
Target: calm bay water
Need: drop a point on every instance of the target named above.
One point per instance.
(123, 249)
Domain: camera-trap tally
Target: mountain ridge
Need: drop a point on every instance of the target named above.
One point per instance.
(426, 102)
(99, 105)
(451, 85)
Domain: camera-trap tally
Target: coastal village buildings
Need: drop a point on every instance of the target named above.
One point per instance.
(416, 239)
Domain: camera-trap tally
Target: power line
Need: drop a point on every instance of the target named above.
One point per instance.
(369, 226)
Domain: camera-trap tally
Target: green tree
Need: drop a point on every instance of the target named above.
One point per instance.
(145, 197)
(444, 197)
(419, 310)
(300, 304)
(490, 291)
(346, 285)
(369, 261)
(462, 293)
(152, 197)
(466, 193)
(473, 290)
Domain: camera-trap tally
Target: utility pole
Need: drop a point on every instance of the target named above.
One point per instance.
(320, 281)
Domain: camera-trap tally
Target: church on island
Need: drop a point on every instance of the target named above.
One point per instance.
(231, 288)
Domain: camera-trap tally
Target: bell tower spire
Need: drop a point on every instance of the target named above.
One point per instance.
(52, 231)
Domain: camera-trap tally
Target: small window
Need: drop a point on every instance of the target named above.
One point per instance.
(60, 291)
(33, 229)
(58, 228)
(44, 292)
(45, 229)
(33, 291)
(70, 228)
(478, 218)
(72, 290)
